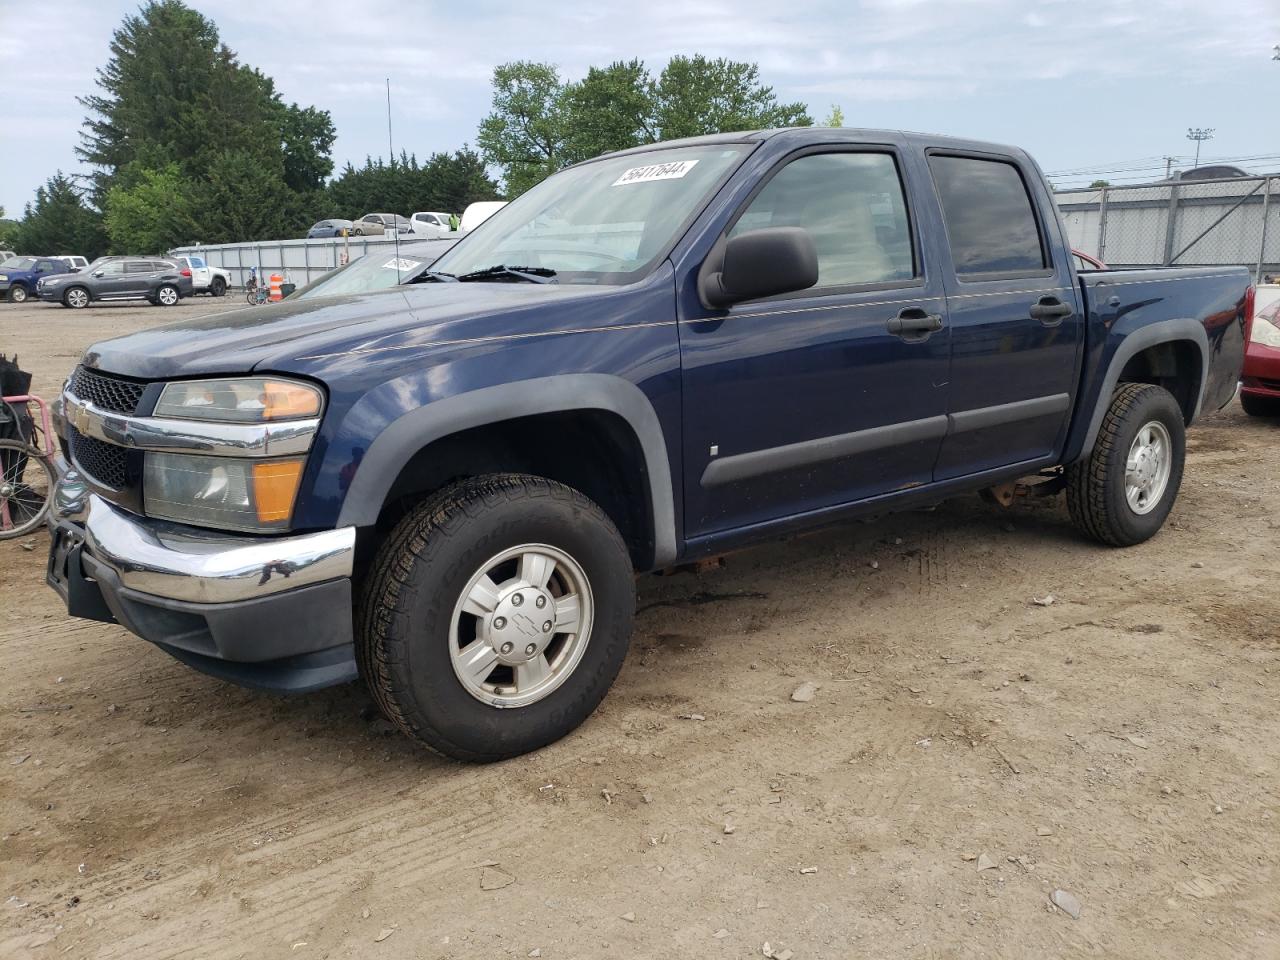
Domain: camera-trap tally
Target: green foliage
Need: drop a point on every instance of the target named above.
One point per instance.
(59, 222)
(150, 215)
(835, 118)
(189, 143)
(539, 123)
(446, 182)
(1099, 184)
(524, 133)
(697, 96)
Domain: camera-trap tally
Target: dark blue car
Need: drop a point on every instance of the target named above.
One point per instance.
(446, 486)
(19, 276)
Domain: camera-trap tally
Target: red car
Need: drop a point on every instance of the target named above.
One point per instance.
(1260, 384)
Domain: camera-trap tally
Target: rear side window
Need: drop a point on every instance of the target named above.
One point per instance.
(991, 224)
(852, 205)
(137, 266)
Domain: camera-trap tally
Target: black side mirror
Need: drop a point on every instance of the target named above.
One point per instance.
(761, 263)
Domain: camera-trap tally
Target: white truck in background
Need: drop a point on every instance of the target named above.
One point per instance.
(205, 278)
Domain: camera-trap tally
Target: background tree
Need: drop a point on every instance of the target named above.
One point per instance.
(835, 118)
(539, 123)
(177, 109)
(1099, 184)
(445, 183)
(150, 215)
(697, 96)
(525, 131)
(59, 221)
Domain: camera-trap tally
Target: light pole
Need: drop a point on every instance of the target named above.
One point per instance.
(1199, 135)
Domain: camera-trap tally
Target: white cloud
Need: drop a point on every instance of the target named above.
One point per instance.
(985, 59)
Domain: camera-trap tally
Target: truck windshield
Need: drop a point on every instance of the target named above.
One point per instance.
(19, 263)
(602, 222)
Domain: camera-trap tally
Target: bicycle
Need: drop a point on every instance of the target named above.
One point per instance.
(28, 468)
(254, 292)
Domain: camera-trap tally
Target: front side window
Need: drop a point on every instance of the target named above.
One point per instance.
(606, 221)
(44, 266)
(991, 224)
(853, 206)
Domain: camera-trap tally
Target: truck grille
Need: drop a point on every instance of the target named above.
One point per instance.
(105, 391)
(104, 462)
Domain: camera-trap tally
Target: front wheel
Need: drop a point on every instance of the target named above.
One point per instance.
(1123, 490)
(167, 295)
(26, 488)
(496, 616)
(218, 287)
(77, 298)
(18, 293)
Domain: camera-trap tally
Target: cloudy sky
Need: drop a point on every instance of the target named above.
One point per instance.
(1083, 85)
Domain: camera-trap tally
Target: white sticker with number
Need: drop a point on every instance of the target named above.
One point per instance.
(655, 171)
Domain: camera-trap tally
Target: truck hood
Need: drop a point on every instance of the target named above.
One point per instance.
(285, 336)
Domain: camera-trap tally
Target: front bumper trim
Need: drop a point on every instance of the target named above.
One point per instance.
(178, 562)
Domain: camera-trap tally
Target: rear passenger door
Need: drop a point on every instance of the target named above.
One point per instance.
(1016, 328)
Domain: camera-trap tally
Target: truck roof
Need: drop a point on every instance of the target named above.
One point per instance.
(803, 135)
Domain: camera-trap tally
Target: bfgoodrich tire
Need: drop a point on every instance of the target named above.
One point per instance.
(1123, 491)
(496, 616)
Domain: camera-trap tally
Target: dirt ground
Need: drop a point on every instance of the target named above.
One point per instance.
(967, 753)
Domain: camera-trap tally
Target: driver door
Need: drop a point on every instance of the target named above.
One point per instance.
(810, 400)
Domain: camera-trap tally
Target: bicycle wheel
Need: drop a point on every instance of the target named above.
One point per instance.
(251, 295)
(26, 488)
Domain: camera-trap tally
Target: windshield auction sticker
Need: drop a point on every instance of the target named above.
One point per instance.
(655, 171)
(401, 264)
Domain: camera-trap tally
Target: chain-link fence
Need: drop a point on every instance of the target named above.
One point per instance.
(1180, 223)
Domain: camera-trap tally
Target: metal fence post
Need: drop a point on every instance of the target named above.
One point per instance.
(1102, 226)
(1171, 224)
(1262, 247)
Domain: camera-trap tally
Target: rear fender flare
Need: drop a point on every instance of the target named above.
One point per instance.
(1154, 334)
(400, 440)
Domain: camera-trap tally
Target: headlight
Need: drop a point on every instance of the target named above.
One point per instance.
(4, 276)
(1266, 330)
(225, 492)
(243, 400)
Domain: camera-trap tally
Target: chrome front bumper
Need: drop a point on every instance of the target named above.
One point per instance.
(268, 612)
(184, 563)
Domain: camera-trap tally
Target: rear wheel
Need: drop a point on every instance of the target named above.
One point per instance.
(167, 295)
(1256, 406)
(1123, 491)
(18, 293)
(496, 617)
(77, 298)
(218, 287)
(26, 487)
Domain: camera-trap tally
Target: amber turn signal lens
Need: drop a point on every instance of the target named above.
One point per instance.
(282, 400)
(275, 484)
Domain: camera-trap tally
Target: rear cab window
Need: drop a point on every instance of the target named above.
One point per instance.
(991, 223)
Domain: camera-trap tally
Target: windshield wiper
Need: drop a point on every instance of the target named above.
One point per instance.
(433, 276)
(505, 274)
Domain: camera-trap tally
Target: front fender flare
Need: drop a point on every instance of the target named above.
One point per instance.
(1154, 334)
(400, 440)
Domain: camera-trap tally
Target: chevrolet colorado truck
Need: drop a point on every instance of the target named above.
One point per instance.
(446, 487)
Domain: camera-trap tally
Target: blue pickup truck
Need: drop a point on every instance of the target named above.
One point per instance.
(446, 487)
(19, 276)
